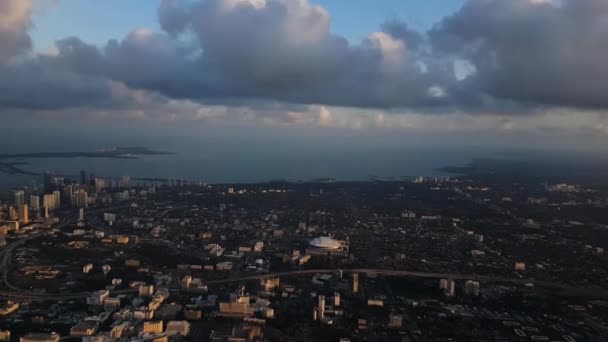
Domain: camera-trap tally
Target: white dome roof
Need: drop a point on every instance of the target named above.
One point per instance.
(324, 242)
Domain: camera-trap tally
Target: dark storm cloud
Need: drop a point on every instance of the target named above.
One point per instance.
(35, 86)
(74, 77)
(13, 44)
(258, 50)
(525, 54)
(283, 50)
(545, 52)
(142, 58)
(80, 75)
(34, 83)
(275, 50)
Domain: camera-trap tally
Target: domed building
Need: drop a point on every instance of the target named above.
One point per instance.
(325, 245)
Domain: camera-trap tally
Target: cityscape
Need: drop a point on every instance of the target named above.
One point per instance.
(303, 170)
(424, 259)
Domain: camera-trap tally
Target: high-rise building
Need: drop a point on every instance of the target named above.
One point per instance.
(185, 283)
(99, 184)
(83, 177)
(24, 214)
(79, 199)
(321, 306)
(109, 218)
(355, 282)
(35, 202)
(57, 195)
(125, 181)
(66, 193)
(448, 286)
(47, 180)
(57, 182)
(48, 201)
(17, 197)
(336, 299)
(12, 214)
(471, 288)
(81, 214)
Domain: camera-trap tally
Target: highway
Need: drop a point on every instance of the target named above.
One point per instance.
(13, 292)
(34, 296)
(6, 257)
(16, 293)
(599, 293)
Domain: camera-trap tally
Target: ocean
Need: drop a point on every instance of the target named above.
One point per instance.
(249, 165)
(225, 156)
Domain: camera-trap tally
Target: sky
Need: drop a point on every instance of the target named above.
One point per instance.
(517, 73)
(99, 21)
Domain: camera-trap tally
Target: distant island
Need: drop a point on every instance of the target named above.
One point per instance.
(13, 167)
(116, 152)
(532, 171)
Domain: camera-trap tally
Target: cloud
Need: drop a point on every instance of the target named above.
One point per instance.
(14, 25)
(279, 62)
(28, 82)
(550, 53)
(229, 51)
(34, 87)
(277, 50)
(75, 74)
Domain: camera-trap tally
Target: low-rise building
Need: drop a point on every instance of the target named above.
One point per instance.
(193, 314)
(111, 303)
(236, 309)
(86, 328)
(119, 330)
(271, 283)
(375, 302)
(224, 266)
(146, 291)
(178, 328)
(87, 268)
(40, 337)
(98, 297)
(155, 327)
(9, 308)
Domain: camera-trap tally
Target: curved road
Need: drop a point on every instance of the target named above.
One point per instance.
(6, 257)
(16, 293)
(596, 292)
(398, 273)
